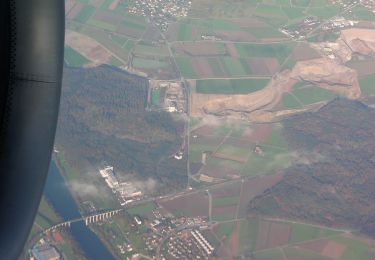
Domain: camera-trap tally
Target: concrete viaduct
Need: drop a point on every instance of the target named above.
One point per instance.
(88, 219)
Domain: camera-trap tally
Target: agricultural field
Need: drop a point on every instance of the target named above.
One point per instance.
(193, 205)
(203, 60)
(269, 239)
(74, 58)
(232, 86)
(228, 151)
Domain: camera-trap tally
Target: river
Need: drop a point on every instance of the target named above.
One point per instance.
(59, 196)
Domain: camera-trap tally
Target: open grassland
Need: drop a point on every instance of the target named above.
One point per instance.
(142, 209)
(303, 96)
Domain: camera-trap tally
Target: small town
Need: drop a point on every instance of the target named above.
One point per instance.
(161, 12)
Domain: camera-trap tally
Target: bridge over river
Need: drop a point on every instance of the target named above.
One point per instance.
(93, 218)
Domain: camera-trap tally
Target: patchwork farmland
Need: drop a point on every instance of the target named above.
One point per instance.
(241, 68)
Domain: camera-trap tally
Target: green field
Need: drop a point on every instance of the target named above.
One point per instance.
(234, 151)
(150, 49)
(276, 138)
(302, 96)
(355, 249)
(302, 232)
(196, 150)
(142, 209)
(278, 51)
(85, 13)
(155, 97)
(149, 63)
(225, 163)
(235, 67)
(74, 58)
(231, 86)
(225, 201)
(225, 229)
(290, 101)
(186, 67)
(184, 32)
(367, 84)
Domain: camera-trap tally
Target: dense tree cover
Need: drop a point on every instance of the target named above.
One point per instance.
(336, 186)
(103, 120)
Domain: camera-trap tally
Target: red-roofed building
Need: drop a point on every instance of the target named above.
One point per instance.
(57, 236)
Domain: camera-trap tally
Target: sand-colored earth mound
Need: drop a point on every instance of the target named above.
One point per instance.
(240, 106)
(360, 40)
(262, 105)
(330, 75)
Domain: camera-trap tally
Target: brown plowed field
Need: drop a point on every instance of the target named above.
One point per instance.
(74, 11)
(197, 49)
(113, 5)
(316, 246)
(333, 250)
(264, 66)
(234, 241)
(363, 68)
(108, 17)
(192, 205)
(232, 50)
(272, 235)
(304, 52)
(226, 190)
(220, 172)
(257, 133)
(205, 130)
(202, 68)
(69, 4)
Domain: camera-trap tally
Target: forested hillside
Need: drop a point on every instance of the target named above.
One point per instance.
(335, 186)
(103, 120)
